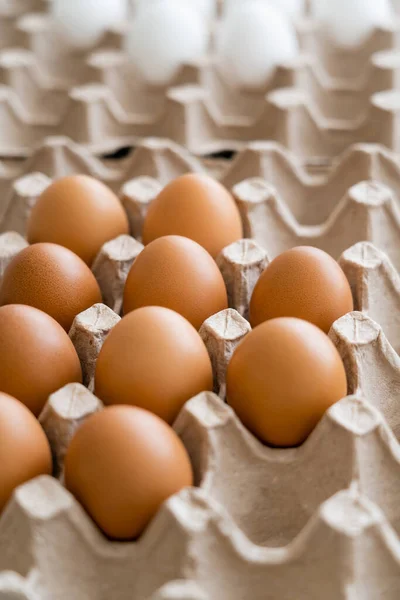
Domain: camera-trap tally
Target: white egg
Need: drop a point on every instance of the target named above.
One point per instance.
(292, 8)
(206, 7)
(163, 38)
(253, 40)
(318, 8)
(82, 22)
(350, 22)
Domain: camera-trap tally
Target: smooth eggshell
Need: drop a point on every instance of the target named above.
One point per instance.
(121, 465)
(253, 40)
(164, 37)
(51, 278)
(80, 213)
(282, 378)
(176, 273)
(153, 359)
(198, 207)
(36, 356)
(24, 449)
(350, 23)
(305, 283)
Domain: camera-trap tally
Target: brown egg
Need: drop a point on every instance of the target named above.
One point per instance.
(24, 449)
(198, 207)
(51, 278)
(121, 465)
(80, 213)
(282, 378)
(305, 283)
(153, 359)
(36, 356)
(177, 273)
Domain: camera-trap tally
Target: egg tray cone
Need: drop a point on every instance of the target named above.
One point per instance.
(10, 12)
(59, 156)
(270, 523)
(315, 107)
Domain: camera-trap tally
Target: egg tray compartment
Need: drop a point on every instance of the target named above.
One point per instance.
(265, 523)
(315, 107)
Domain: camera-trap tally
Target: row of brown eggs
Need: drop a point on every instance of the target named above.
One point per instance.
(125, 461)
(81, 213)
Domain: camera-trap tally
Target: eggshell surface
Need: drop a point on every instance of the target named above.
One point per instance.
(52, 279)
(291, 8)
(305, 283)
(164, 37)
(122, 464)
(253, 40)
(155, 359)
(80, 213)
(179, 274)
(349, 23)
(24, 449)
(36, 356)
(198, 207)
(207, 8)
(282, 378)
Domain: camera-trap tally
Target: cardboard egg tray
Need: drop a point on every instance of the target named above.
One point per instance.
(317, 106)
(318, 521)
(265, 178)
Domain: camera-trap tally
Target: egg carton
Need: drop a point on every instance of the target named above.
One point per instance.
(310, 198)
(315, 106)
(347, 549)
(271, 210)
(224, 527)
(271, 523)
(255, 536)
(366, 211)
(163, 159)
(260, 516)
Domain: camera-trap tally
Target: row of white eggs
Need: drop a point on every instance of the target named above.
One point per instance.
(208, 8)
(253, 38)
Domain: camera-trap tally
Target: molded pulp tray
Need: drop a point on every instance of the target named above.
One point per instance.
(316, 106)
(318, 521)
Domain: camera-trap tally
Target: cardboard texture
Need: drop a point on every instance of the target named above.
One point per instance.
(296, 196)
(317, 106)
